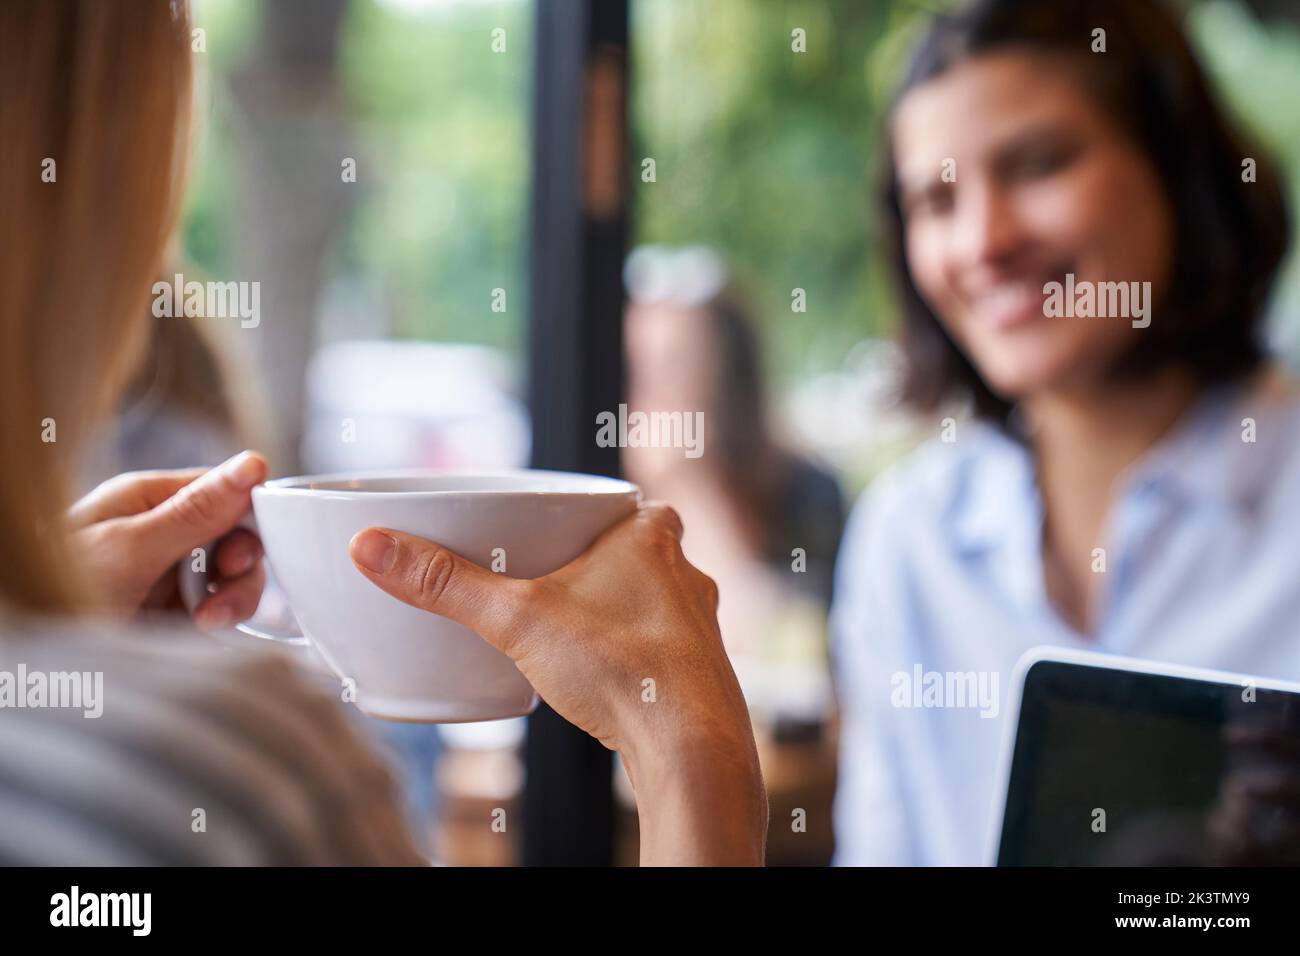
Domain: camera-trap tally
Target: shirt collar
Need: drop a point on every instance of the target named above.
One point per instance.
(996, 490)
(1202, 460)
(1205, 459)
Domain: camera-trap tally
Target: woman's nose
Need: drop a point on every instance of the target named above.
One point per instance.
(988, 230)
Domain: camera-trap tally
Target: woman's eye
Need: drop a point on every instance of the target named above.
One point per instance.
(1043, 162)
(933, 201)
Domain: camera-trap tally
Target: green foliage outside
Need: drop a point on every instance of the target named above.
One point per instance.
(766, 153)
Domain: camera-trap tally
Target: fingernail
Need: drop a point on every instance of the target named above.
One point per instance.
(374, 551)
(244, 470)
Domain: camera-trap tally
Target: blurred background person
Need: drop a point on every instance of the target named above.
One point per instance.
(762, 520)
(1128, 483)
(753, 509)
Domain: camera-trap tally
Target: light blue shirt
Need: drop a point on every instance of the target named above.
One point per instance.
(941, 573)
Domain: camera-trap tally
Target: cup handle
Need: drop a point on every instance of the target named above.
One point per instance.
(193, 585)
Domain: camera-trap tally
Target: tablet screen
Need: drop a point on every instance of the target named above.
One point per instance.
(1119, 768)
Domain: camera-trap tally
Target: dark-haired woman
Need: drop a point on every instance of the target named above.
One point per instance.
(1130, 480)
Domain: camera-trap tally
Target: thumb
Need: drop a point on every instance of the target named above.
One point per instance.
(432, 578)
(201, 511)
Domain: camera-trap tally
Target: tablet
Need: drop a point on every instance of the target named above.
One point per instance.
(1119, 762)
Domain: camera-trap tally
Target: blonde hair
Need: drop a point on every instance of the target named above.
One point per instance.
(94, 126)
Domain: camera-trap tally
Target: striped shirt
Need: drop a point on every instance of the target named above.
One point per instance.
(201, 755)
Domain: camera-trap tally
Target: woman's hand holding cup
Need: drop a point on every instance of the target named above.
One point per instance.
(132, 531)
(624, 643)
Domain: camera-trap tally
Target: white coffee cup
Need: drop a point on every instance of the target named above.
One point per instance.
(408, 664)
